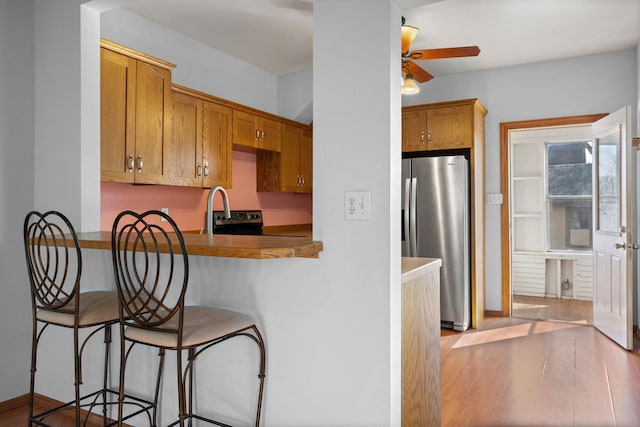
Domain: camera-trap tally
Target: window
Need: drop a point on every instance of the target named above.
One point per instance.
(569, 196)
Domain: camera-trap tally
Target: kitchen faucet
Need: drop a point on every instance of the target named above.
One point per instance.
(225, 201)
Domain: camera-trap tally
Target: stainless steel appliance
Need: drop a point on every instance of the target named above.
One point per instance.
(436, 221)
(241, 222)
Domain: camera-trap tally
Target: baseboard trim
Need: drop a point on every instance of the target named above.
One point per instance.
(493, 313)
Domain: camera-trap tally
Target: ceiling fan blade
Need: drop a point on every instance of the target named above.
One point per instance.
(419, 74)
(408, 34)
(449, 52)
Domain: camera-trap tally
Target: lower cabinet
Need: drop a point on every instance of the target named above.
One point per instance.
(290, 170)
(200, 147)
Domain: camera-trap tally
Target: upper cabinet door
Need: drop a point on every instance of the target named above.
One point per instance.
(290, 159)
(306, 161)
(185, 148)
(117, 116)
(270, 134)
(153, 107)
(450, 127)
(245, 130)
(216, 145)
(414, 130)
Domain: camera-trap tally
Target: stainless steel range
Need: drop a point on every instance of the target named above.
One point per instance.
(241, 222)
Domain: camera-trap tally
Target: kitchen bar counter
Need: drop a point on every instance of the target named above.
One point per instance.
(225, 245)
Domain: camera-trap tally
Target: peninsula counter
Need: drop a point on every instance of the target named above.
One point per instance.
(226, 245)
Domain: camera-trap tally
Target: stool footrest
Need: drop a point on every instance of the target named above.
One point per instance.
(145, 405)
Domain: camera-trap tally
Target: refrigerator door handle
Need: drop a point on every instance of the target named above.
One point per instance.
(406, 242)
(413, 236)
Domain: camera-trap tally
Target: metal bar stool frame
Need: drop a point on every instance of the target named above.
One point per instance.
(54, 266)
(153, 314)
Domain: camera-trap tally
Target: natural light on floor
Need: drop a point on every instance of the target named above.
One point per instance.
(510, 332)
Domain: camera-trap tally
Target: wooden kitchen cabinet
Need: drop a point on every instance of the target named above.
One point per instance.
(135, 102)
(290, 170)
(200, 147)
(255, 131)
(414, 130)
(442, 126)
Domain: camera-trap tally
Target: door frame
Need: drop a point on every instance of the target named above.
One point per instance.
(505, 223)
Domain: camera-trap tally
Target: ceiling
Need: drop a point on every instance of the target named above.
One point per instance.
(277, 35)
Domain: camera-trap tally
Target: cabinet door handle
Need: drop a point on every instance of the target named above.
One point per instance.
(257, 134)
(301, 179)
(206, 168)
(139, 163)
(422, 137)
(262, 134)
(429, 136)
(131, 163)
(199, 170)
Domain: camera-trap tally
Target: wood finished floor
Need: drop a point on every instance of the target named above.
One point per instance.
(542, 308)
(519, 372)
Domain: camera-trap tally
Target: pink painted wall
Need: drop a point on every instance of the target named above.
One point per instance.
(187, 206)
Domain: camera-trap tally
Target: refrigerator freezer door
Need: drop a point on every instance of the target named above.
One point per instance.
(406, 197)
(443, 230)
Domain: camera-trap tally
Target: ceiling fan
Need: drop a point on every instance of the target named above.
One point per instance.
(413, 72)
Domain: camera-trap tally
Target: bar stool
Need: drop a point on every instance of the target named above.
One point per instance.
(151, 267)
(54, 265)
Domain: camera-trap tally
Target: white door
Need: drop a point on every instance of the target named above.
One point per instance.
(612, 292)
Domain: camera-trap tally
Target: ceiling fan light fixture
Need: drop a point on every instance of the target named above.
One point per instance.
(407, 34)
(409, 87)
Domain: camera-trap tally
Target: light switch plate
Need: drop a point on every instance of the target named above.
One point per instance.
(357, 205)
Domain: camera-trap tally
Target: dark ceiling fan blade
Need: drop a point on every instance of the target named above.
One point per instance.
(419, 74)
(449, 52)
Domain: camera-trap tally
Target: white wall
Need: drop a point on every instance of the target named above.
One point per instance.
(57, 110)
(357, 147)
(569, 87)
(16, 191)
(295, 96)
(198, 66)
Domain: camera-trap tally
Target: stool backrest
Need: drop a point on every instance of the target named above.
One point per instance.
(54, 261)
(151, 268)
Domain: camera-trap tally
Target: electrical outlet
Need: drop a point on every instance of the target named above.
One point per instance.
(166, 211)
(357, 205)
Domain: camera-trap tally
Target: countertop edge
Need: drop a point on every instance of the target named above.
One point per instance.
(413, 267)
(250, 247)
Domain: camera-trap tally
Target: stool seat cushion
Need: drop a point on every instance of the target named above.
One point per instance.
(200, 325)
(96, 307)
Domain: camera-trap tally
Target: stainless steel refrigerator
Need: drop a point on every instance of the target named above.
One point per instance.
(435, 224)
